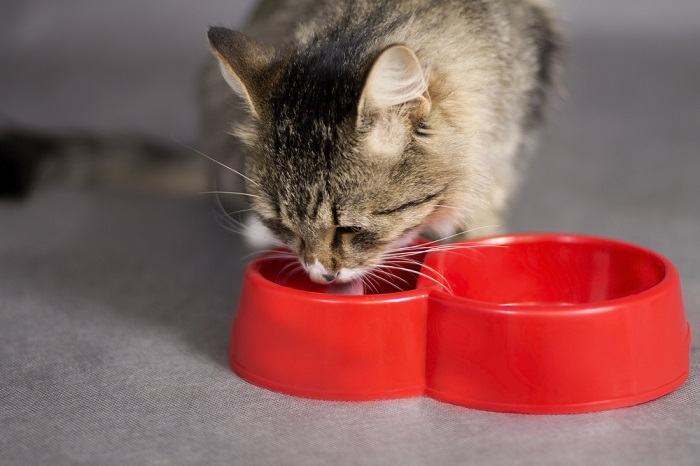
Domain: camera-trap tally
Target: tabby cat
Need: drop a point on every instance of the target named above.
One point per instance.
(354, 126)
(367, 123)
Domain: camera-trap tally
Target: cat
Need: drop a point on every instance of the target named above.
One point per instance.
(354, 126)
(367, 123)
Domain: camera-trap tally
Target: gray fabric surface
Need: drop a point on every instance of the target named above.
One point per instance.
(114, 318)
(115, 308)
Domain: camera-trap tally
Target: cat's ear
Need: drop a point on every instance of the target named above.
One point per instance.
(396, 80)
(245, 64)
(394, 101)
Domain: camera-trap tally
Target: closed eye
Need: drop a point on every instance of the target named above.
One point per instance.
(349, 229)
(409, 204)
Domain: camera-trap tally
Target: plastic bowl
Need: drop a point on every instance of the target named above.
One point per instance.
(522, 323)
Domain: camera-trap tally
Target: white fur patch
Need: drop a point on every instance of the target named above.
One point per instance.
(347, 275)
(316, 272)
(257, 235)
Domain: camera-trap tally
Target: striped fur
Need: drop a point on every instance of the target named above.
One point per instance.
(357, 124)
(354, 146)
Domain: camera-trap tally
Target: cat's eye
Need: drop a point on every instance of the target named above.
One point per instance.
(348, 229)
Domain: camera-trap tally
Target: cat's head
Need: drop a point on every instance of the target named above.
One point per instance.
(342, 162)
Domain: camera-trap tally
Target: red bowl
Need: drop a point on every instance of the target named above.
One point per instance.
(523, 323)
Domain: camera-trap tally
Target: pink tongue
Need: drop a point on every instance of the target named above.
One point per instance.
(354, 287)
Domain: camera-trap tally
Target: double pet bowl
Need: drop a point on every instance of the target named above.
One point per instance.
(523, 323)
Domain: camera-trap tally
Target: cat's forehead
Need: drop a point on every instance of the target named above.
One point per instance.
(313, 150)
(315, 99)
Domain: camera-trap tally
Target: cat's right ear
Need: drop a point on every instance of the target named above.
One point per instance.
(396, 79)
(245, 64)
(395, 100)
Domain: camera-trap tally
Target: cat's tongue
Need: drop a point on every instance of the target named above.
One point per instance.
(354, 287)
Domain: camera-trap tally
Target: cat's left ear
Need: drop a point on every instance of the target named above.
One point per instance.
(245, 64)
(396, 80)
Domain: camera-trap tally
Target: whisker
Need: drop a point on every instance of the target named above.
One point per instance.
(230, 192)
(373, 274)
(267, 256)
(362, 283)
(291, 273)
(225, 216)
(411, 261)
(232, 230)
(447, 206)
(418, 273)
(367, 284)
(285, 268)
(270, 252)
(393, 275)
(441, 247)
(215, 161)
(390, 277)
(446, 237)
(234, 212)
(231, 220)
(416, 253)
(227, 223)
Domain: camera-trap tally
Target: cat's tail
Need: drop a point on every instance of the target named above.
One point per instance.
(30, 159)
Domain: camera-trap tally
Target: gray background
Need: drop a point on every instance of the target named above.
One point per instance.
(115, 307)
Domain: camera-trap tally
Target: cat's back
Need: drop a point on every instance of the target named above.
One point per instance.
(494, 43)
(284, 21)
(505, 37)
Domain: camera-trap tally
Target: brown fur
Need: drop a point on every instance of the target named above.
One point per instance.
(323, 160)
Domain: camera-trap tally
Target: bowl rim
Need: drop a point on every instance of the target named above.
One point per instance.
(668, 282)
(256, 278)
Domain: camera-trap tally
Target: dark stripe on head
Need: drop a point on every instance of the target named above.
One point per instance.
(337, 242)
(278, 228)
(334, 212)
(302, 209)
(317, 205)
(276, 203)
(367, 240)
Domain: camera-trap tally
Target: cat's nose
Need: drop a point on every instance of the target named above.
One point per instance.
(329, 277)
(320, 274)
